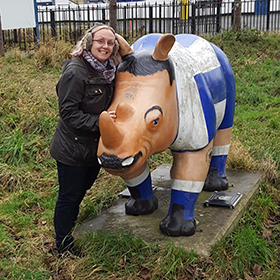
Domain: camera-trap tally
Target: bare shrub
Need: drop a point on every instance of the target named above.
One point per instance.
(239, 157)
(269, 169)
(51, 54)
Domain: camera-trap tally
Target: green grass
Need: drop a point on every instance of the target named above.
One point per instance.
(245, 247)
(28, 182)
(136, 258)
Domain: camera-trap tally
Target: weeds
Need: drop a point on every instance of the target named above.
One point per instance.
(249, 249)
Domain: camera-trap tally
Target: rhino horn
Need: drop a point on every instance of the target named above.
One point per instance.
(163, 46)
(110, 134)
(124, 47)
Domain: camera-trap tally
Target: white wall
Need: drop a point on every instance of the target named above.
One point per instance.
(17, 14)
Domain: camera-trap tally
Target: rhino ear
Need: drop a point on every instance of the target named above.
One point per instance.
(124, 47)
(163, 46)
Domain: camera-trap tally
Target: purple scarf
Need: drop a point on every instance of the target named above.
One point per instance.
(107, 69)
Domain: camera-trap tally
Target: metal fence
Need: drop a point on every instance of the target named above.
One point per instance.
(135, 19)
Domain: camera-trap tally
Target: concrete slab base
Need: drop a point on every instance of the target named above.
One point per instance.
(212, 222)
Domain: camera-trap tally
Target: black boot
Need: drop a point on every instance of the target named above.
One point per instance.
(174, 224)
(215, 183)
(139, 206)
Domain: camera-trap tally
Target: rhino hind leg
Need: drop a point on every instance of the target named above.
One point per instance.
(216, 179)
(138, 206)
(215, 183)
(175, 225)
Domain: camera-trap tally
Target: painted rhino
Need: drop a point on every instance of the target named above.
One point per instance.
(174, 92)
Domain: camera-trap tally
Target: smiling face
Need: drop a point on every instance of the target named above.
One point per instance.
(103, 44)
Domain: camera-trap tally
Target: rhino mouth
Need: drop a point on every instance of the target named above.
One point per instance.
(116, 163)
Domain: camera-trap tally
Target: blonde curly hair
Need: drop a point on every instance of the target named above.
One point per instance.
(86, 42)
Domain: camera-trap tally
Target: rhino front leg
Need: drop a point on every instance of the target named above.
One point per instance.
(188, 173)
(142, 200)
(180, 219)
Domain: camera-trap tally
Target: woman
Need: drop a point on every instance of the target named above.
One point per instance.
(84, 90)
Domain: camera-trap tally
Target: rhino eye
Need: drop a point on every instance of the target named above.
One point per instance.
(155, 122)
(153, 116)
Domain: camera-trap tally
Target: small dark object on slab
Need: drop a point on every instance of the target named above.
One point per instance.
(226, 199)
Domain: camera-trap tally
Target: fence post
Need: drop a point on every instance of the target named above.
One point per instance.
(70, 28)
(150, 19)
(103, 16)
(218, 19)
(88, 17)
(124, 21)
(15, 36)
(74, 26)
(113, 14)
(43, 23)
(232, 13)
(53, 29)
(193, 19)
(36, 35)
(237, 15)
(174, 25)
(2, 51)
(268, 15)
(159, 18)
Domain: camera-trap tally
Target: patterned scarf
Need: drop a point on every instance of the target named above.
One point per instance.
(107, 69)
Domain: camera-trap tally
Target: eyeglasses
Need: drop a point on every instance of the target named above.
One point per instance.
(102, 42)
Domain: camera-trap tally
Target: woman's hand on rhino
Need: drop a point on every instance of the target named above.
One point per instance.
(112, 115)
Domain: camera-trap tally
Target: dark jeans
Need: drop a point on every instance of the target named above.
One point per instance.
(73, 184)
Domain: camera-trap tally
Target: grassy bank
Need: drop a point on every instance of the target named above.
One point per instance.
(29, 186)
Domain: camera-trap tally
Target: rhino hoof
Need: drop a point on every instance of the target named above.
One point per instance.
(174, 224)
(215, 183)
(138, 206)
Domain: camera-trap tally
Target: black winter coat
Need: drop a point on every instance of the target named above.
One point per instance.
(82, 95)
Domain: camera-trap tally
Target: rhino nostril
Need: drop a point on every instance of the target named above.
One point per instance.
(128, 161)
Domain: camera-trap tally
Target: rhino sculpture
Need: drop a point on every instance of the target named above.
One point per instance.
(174, 92)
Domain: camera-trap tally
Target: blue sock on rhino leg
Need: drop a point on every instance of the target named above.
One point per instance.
(180, 219)
(216, 178)
(219, 162)
(187, 200)
(141, 186)
(142, 200)
(143, 190)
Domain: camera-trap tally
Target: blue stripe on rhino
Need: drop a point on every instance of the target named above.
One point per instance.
(207, 105)
(230, 87)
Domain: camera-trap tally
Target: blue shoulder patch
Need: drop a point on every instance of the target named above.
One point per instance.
(186, 40)
(148, 41)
